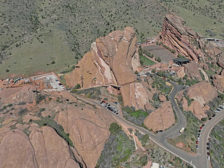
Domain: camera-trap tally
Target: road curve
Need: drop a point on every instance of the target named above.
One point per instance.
(198, 160)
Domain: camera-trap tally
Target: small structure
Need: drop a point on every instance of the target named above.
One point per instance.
(155, 165)
(181, 61)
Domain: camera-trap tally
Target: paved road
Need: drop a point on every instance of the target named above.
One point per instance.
(198, 160)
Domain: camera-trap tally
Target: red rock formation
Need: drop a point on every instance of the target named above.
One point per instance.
(218, 81)
(113, 60)
(201, 93)
(181, 38)
(161, 119)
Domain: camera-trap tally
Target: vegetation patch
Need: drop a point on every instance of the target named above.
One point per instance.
(117, 149)
(217, 145)
(145, 61)
(48, 121)
(189, 136)
(160, 84)
(135, 116)
(93, 93)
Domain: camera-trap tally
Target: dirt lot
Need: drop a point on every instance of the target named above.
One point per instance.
(164, 54)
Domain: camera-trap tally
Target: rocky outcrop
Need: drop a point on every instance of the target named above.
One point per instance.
(160, 119)
(182, 39)
(88, 129)
(200, 94)
(44, 149)
(221, 61)
(192, 70)
(218, 81)
(108, 62)
(23, 143)
(112, 60)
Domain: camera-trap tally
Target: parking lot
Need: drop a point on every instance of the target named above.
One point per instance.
(113, 107)
(51, 80)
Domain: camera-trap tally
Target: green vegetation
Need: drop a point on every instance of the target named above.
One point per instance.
(48, 121)
(133, 113)
(135, 116)
(217, 145)
(39, 98)
(114, 128)
(78, 86)
(215, 103)
(48, 36)
(158, 59)
(189, 101)
(93, 93)
(143, 138)
(145, 61)
(159, 155)
(189, 137)
(160, 84)
(117, 149)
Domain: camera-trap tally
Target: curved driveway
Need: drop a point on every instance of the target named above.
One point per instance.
(198, 160)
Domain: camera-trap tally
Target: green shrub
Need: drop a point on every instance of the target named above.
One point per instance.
(114, 128)
(47, 121)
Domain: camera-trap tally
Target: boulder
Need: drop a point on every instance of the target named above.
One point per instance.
(160, 119)
(201, 94)
(162, 98)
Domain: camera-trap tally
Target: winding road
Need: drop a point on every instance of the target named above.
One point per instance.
(198, 160)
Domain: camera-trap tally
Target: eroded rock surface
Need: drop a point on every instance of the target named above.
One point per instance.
(112, 60)
(218, 81)
(161, 119)
(200, 94)
(88, 129)
(182, 39)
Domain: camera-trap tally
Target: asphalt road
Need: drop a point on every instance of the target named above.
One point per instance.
(198, 160)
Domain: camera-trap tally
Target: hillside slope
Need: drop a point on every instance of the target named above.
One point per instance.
(29, 29)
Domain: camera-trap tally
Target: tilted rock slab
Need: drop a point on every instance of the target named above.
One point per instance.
(112, 60)
(181, 38)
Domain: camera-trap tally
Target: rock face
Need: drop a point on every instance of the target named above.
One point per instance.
(201, 93)
(161, 119)
(191, 69)
(112, 60)
(221, 61)
(108, 62)
(24, 144)
(88, 129)
(218, 81)
(44, 149)
(180, 38)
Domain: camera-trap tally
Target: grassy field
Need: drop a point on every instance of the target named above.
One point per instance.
(48, 52)
(145, 61)
(79, 22)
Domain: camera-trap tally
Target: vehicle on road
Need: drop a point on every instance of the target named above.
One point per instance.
(182, 130)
